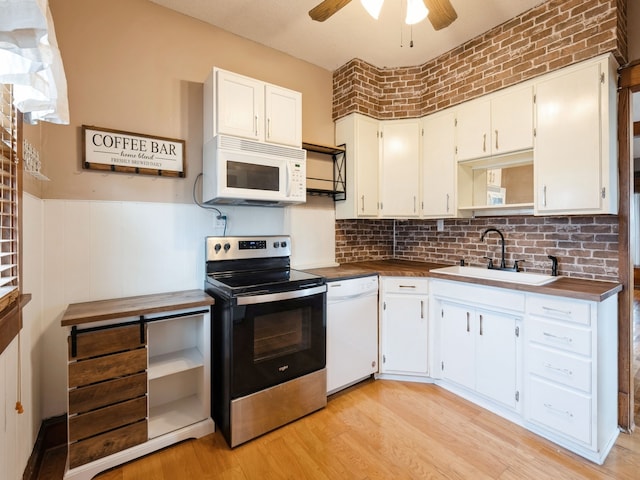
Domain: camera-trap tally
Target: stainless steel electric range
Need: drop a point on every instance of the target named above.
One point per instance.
(268, 336)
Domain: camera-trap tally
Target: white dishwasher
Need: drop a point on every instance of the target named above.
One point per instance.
(352, 331)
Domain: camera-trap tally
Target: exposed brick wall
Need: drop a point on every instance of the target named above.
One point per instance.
(586, 246)
(549, 36)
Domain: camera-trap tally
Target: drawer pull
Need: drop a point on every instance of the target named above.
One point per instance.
(548, 406)
(556, 337)
(557, 310)
(407, 286)
(565, 371)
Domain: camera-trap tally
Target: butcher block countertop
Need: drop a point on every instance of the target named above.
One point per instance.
(592, 290)
(87, 312)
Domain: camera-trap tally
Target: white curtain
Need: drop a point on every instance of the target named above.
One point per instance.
(31, 61)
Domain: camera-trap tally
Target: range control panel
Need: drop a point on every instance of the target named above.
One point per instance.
(234, 248)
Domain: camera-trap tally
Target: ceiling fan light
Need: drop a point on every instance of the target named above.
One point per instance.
(416, 11)
(373, 7)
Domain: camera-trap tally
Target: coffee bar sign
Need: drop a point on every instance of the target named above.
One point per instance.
(126, 152)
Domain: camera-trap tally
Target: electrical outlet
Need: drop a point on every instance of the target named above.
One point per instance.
(220, 222)
(440, 225)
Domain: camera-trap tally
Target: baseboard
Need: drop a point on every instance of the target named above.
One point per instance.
(52, 433)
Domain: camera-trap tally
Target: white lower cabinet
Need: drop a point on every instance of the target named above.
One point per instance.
(479, 351)
(138, 377)
(404, 326)
(479, 344)
(571, 372)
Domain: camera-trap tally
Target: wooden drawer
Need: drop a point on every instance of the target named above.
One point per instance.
(84, 399)
(415, 285)
(103, 342)
(553, 365)
(105, 444)
(565, 309)
(85, 372)
(559, 335)
(560, 409)
(102, 420)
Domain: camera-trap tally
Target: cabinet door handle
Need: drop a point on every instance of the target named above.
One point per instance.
(255, 125)
(414, 204)
(484, 142)
(421, 309)
(558, 410)
(447, 203)
(362, 203)
(480, 324)
(268, 128)
(496, 139)
(565, 371)
(544, 196)
(468, 326)
(565, 339)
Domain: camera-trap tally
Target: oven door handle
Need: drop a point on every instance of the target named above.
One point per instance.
(275, 297)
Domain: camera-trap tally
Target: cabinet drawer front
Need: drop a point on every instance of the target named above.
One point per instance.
(558, 308)
(406, 285)
(95, 370)
(84, 399)
(565, 369)
(562, 410)
(103, 342)
(104, 419)
(103, 445)
(559, 335)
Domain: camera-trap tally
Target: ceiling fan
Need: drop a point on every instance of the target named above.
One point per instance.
(441, 12)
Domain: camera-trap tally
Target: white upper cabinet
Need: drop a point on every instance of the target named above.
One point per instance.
(438, 165)
(496, 125)
(283, 113)
(575, 154)
(360, 135)
(473, 129)
(400, 168)
(245, 107)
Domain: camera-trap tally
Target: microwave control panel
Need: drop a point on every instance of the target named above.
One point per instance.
(298, 179)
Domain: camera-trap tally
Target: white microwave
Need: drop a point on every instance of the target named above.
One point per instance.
(238, 171)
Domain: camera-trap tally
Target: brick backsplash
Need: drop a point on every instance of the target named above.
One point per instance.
(549, 36)
(586, 246)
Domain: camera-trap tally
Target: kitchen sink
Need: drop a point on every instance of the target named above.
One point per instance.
(499, 275)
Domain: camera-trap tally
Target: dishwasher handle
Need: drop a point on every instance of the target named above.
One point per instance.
(339, 298)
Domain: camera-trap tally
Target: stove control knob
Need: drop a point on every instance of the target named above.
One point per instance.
(276, 244)
(217, 247)
(283, 244)
(227, 247)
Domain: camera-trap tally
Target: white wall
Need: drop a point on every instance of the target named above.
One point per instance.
(18, 432)
(95, 250)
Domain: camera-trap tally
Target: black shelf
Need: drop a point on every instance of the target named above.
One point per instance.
(337, 186)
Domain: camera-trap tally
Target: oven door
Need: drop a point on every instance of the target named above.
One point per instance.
(277, 337)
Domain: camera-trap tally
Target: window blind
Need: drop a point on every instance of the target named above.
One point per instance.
(9, 196)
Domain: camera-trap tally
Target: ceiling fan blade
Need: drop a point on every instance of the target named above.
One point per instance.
(441, 13)
(325, 9)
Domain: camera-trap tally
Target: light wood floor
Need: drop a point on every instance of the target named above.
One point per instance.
(386, 430)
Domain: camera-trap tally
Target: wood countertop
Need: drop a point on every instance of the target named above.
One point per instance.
(87, 312)
(592, 290)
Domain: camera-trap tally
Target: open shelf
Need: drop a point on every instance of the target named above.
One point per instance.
(171, 416)
(335, 187)
(174, 362)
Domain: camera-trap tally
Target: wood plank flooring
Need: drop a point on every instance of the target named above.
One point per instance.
(386, 430)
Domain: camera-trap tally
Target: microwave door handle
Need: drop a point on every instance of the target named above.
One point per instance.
(288, 178)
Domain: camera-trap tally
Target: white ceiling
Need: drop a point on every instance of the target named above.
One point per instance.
(350, 33)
